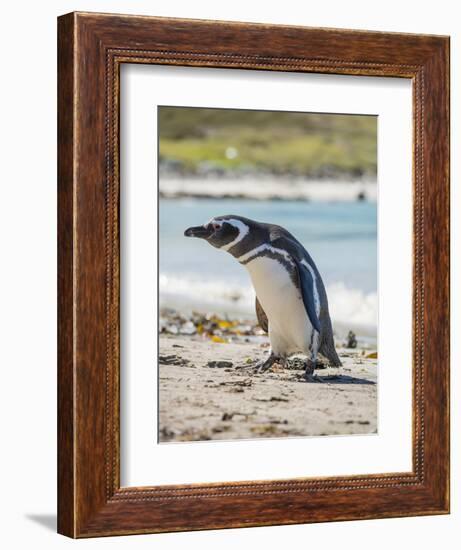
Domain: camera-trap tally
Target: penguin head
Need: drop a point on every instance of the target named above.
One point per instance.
(223, 232)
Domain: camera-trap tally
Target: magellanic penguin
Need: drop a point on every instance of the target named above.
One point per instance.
(291, 301)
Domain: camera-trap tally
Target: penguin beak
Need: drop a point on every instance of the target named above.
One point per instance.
(200, 231)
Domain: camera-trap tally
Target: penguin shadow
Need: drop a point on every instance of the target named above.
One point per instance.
(343, 379)
(339, 379)
(299, 376)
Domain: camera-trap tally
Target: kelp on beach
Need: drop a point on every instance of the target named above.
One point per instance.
(208, 325)
(224, 330)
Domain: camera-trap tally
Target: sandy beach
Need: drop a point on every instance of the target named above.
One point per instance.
(208, 390)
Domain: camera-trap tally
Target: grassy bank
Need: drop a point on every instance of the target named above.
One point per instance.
(197, 141)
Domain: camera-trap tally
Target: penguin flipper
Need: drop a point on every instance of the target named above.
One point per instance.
(282, 238)
(261, 316)
(307, 292)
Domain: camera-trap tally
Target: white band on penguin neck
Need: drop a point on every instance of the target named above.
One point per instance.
(243, 232)
(261, 248)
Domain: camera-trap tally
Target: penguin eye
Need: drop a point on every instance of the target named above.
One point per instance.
(216, 226)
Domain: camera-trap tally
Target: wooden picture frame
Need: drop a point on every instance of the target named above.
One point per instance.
(92, 48)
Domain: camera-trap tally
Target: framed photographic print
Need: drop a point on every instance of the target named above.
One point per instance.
(253, 275)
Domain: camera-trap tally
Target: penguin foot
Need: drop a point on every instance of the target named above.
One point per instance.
(310, 366)
(267, 364)
(309, 375)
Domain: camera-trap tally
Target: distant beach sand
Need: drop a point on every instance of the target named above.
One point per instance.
(267, 188)
(208, 390)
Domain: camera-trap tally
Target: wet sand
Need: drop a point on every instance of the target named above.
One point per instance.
(208, 391)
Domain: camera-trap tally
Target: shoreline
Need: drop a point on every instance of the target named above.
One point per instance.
(266, 189)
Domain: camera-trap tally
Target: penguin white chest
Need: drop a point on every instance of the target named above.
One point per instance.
(289, 326)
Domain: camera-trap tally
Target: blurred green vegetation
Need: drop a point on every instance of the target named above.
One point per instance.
(194, 140)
